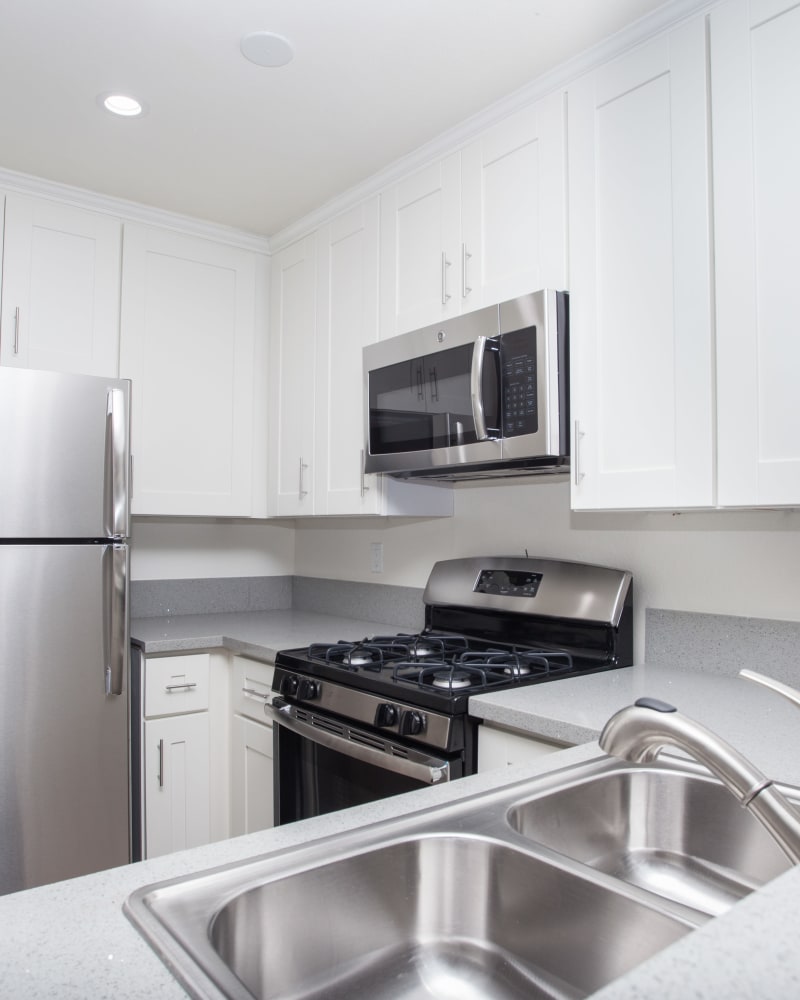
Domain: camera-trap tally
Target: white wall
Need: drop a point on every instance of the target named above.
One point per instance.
(185, 549)
(736, 563)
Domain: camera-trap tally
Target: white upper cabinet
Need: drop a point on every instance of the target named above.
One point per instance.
(513, 215)
(480, 226)
(420, 248)
(61, 288)
(347, 320)
(640, 278)
(755, 86)
(293, 365)
(190, 343)
(347, 311)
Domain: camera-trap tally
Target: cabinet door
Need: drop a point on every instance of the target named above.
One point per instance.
(420, 248)
(61, 280)
(640, 338)
(251, 776)
(188, 343)
(755, 86)
(347, 320)
(513, 214)
(176, 764)
(293, 367)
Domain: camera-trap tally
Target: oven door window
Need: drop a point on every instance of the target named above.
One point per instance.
(313, 779)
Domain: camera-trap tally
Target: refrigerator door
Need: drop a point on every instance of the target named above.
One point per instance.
(64, 455)
(64, 800)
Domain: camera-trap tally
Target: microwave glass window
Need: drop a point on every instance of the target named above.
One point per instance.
(426, 403)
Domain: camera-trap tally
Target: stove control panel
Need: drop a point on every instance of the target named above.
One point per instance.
(508, 582)
(302, 688)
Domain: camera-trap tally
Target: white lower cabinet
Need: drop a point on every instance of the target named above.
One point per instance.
(176, 783)
(498, 748)
(251, 776)
(176, 753)
(251, 747)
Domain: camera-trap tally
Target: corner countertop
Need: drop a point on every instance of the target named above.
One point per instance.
(261, 634)
(73, 941)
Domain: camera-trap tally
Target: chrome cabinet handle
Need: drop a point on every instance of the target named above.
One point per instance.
(300, 491)
(364, 487)
(256, 694)
(465, 256)
(16, 330)
(160, 763)
(445, 265)
(188, 686)
(577, 456)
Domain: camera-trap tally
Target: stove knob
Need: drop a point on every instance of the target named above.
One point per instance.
(289, 685)
(307, 689)
(387, 715)
(412, 723)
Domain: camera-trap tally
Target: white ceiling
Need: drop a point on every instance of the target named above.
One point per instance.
(257, 148)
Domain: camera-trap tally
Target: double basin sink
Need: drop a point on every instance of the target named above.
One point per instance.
(551, 887)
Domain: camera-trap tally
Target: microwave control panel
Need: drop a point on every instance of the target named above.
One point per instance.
(520, 403)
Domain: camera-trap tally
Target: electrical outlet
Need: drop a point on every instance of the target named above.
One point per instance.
(376, 554)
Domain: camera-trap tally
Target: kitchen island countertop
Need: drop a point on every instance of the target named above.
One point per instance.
(73, 941)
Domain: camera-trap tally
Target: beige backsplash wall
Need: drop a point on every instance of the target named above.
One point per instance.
(733, 563)
(736, 563)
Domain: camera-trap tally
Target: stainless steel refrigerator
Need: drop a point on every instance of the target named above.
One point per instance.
(64, 626)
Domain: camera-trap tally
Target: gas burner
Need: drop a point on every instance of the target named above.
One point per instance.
(354, 656)
(452, 680)
(423, 646)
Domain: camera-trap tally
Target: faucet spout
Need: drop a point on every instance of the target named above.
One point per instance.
(638, 734)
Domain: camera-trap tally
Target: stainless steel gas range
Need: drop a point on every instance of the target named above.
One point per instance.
(362, 719)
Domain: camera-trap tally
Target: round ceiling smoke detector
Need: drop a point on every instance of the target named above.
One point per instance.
(266, 49)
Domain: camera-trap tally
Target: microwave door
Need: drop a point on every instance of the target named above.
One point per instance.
(463, 393)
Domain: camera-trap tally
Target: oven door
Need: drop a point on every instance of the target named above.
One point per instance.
(323, 764)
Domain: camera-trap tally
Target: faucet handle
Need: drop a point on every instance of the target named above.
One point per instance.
(783, 689)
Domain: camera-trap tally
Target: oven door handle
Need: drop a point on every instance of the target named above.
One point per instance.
(412, 763)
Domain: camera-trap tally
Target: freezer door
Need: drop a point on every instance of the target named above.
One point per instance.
(64, 799)
(64, 455)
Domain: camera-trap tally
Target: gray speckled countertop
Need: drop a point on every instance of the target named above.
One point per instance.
(72, 940)
(255, 633)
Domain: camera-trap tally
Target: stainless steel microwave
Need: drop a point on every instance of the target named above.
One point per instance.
(478, 396)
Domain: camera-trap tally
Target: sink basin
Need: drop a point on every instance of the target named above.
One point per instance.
(682, 836)
(451, 916)
(435, 916)
(550, 887)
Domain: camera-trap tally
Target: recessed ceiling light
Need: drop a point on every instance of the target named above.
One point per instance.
(266, 49)
(122, 104)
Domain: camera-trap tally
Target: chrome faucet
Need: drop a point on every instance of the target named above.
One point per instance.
(638, 733)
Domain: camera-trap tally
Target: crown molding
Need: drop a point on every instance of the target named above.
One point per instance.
(453, 139)
(129, 211)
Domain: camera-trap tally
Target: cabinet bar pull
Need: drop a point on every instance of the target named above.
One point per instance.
(445, 265)
(257, 694)
(16, 330)
(160, 763)
(300, 491)
(364, 487)
(180, 687)
(465, 288)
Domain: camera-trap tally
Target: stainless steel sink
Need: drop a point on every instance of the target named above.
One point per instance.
(437, 915)
(551, 887)
(680, 835)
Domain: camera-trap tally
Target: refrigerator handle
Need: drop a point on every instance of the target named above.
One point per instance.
(116, 636)
(116, 475)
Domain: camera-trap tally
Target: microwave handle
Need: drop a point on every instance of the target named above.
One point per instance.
(482, 344)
